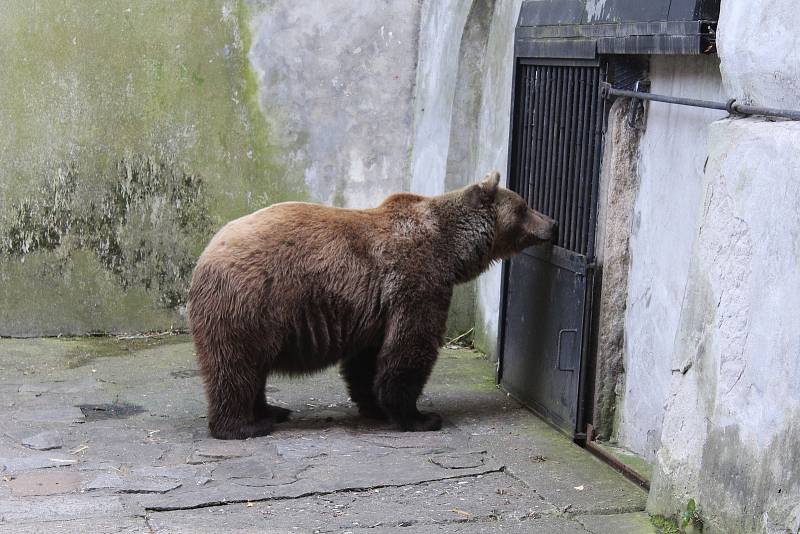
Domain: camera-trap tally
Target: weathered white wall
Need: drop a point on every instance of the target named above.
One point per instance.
(461, 69)
(732, 422)
(672, 154)
(760, 49)
(442, 26)
(492, 150)
(731, 428)
(337, 78)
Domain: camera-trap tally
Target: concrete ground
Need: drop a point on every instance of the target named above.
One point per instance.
(108, 435)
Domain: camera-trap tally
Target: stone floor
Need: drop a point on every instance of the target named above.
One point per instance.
(107, 435)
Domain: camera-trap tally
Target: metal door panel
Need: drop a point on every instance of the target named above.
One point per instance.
(544, 335)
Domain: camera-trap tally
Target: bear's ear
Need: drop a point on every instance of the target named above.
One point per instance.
(484, 191)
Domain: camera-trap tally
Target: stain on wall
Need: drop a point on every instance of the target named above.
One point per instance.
(139, 224)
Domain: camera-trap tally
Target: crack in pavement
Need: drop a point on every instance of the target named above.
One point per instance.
(209, 504)
(416, 523)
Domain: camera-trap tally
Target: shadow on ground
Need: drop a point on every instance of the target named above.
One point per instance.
(116, 441)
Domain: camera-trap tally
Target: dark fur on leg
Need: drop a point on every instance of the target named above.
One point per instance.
(277, 414)
(232, 392)
(359, 374)
(264, 410)
(398, 391)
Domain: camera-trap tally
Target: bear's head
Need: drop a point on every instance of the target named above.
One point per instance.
(517, 226)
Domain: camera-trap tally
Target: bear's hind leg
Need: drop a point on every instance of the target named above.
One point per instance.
(232, 387)
(263, 410)
(359, 374)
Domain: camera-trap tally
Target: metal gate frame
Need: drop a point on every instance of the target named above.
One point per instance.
(575, 232)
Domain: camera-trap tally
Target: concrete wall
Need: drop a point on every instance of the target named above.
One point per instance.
(132, 131)
(492, 150)
(672, 155)
(462, 105)
(732, 418)
(337, 77)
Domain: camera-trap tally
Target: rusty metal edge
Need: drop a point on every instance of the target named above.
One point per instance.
(626, 471)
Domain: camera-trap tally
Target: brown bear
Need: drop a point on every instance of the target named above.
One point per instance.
(296, 287)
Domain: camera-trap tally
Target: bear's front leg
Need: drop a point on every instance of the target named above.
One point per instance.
(404, 365)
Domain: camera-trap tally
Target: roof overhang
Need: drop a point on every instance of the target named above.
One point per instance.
(585, 29)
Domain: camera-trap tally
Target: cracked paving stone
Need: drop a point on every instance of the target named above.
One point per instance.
(59, 508)
(13, 466)
(45, 482)
(131, 484)
(66, 415)
(215, 450)
(346, 473)
(255, 473)
(463, 460)
(333, 476)
(420, 507)
(44, 441)
(118, 525)
(178, 472)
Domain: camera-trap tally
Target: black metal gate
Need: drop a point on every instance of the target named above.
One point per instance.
(556, 143)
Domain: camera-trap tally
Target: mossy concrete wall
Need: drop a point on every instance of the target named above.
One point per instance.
(132, 131)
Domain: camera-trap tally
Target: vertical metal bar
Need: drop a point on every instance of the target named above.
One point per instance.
(558, 139)
(522, 183)
(541, 98)
(598, 154)
(569, 179)
(516, 120)
(530, 147)
(519, 131)
(592, 106)
(571, 164)
(543, 178)
(581, 167)
(563, 203)
(553, 142)
(557, 149)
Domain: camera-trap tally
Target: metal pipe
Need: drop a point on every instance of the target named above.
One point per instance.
(730, 106)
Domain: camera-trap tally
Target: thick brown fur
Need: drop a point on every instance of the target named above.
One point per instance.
(297, 287)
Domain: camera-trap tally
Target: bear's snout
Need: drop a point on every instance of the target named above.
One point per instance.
(544, 228)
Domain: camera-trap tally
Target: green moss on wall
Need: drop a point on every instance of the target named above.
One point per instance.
(131, 132)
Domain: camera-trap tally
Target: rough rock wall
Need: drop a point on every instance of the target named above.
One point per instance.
(619, 188)
(732, 422)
